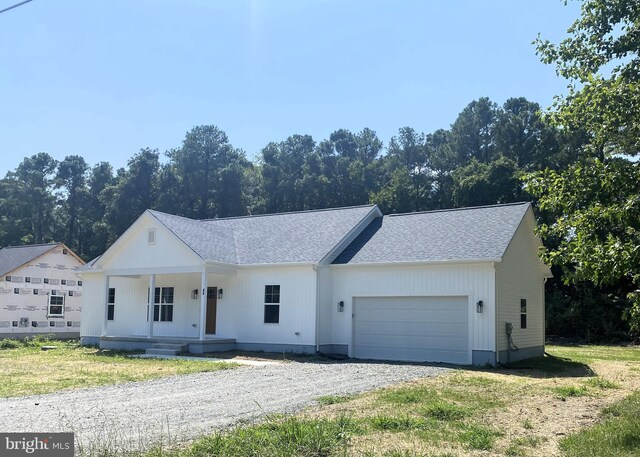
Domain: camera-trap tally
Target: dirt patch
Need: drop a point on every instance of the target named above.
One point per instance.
(533, 409)
(549, 418)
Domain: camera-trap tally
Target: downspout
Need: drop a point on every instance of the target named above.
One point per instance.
(495, 312)
(317, 342)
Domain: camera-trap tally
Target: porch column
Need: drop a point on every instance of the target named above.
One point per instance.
(152, 299)
(203, 304)
(106, 305)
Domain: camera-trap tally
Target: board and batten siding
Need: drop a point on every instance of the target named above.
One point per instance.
(241, 311)
(133, 250)
(475, 281)
(521, 275)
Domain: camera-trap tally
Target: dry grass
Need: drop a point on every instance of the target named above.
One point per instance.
(523, 411)
(27, 370)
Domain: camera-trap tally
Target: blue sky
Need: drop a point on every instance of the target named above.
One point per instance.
(105, 78)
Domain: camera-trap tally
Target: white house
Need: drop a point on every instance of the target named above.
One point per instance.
(439, 286)
(40, 291)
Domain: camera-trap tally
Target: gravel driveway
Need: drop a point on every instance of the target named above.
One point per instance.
(172, 409)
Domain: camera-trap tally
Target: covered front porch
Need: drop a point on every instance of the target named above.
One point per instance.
(186, 312)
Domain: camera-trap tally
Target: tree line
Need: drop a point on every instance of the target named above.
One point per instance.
(478, 161)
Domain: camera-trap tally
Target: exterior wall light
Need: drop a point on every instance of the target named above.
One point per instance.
(194, 294)
(479, 306)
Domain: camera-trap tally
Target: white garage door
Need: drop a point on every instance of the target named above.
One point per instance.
(417, 329)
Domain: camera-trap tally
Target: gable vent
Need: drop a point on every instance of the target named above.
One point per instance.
(151, 236)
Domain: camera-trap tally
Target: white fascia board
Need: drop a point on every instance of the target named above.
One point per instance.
(416, 263)
(151, 271)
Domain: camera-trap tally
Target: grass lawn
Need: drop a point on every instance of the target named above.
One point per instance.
(579, 401)
(25, 369)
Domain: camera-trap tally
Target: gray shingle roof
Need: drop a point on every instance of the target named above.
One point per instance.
(208, 241)
(300, 237)
(459, 234)
(13, 257)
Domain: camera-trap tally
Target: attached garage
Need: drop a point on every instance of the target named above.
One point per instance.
(416, 329)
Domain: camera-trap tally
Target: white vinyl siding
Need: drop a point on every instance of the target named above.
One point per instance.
(520, 276)
(474, 281)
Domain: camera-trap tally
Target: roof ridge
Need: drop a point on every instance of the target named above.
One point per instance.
(285, 213)
(173, 215)
(460, 209)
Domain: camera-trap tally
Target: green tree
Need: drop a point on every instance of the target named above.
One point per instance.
(32, 187)
(71, 177)
(283, 172)
(595, 204)
(408, 181)
(134, 191)
(204, 164)
(487, 183)
(473, 133)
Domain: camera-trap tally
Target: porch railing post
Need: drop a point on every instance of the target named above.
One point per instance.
(152, 299)
(203, 304)
(105, 316)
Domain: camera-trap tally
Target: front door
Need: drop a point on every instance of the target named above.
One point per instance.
(212, 293)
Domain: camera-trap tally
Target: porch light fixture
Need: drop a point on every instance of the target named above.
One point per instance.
(479, 306)
(194, 294)
(340, 306)
(220, 293)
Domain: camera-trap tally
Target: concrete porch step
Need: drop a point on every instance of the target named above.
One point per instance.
(158, 351)
(167, 349)
(172, 346)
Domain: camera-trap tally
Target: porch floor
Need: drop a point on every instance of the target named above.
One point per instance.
(211, 343)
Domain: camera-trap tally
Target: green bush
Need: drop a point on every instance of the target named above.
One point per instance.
(10, 344)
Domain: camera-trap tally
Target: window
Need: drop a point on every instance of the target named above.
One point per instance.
(272, 304)
(63, 282)
(523, 313)
(80, 283)
(16, 290)
(27, 279)
(46, 280)
(151, 236)
(163, 309)
(111, 300)
(56, 306)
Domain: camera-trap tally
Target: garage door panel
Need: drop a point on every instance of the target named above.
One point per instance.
(412, 327)
(433, 329)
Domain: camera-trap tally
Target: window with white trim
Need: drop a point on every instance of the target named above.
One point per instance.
(163, 304)
(272, 304)
(56, 306)
(111, 300)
